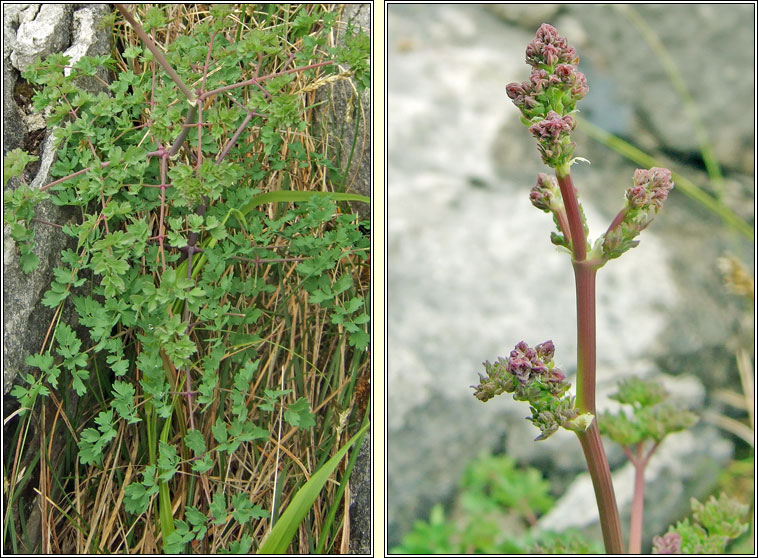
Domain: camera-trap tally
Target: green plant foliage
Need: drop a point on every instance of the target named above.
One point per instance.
(713, 525)
(496, 482)
(209, 251)
(566, 542)
(498, 503)
(652, 417)
(429, 537)
(15, 162)
(299, 414)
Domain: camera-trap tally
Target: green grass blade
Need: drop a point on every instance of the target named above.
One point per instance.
(280, 537)
(164, 496)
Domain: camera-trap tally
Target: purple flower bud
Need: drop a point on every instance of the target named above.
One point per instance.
(520, 367)
(521, 347)
(546, 350)
(670, 543)
(557, 376)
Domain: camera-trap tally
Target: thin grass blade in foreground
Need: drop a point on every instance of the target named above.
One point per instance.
(280, 537)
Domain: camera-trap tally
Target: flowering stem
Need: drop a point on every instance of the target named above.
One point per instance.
(597, 464)
(578, 238)
(584, 277)
(584, 274)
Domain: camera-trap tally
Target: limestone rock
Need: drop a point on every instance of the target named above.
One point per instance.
(32, 31)
(360, 501)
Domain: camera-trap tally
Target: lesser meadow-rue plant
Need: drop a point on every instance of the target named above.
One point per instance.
(220, 328)
(547, 102)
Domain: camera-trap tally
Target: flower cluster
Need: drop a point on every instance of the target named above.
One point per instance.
(546, 195)
(551, 94)
(643, 201)
(531, 375)
(548, 48)
(554, 138)
(651, 188)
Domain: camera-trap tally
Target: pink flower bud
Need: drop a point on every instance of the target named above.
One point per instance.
(548, 48)
(655, 184)
(640, 177)
(553, 126)
(579, 89)
(637, 196)
(538, 80)
(550, 55)
(564, 72)
(514, 90)
(660, 175)
(547, 34)
(543, 194)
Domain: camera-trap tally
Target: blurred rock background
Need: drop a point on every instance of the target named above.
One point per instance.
(471, 270)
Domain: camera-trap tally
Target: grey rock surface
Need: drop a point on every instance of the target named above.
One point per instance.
(471, 270)
(36, 30)
(14, 130)
(31, 31)
(361, 509)
(713, 63)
